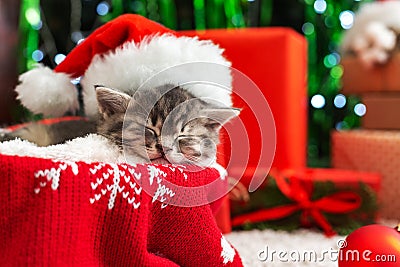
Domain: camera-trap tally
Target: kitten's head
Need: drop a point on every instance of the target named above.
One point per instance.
(176, 127)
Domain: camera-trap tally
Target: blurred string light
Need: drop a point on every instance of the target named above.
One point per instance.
(318, 101)
(339, 101)
(336, 72)
(308, 28)
(37, 55)
(59, 58)
(346, 19)
(320, 6)
(103, 8)
(331, 60)
(360, 109)
(32, 15)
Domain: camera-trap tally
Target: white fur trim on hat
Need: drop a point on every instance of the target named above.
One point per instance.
(42, 90)
(130, 65)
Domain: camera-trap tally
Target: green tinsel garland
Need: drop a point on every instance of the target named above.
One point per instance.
(269, 196)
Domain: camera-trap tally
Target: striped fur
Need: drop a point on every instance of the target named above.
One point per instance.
(164, 122)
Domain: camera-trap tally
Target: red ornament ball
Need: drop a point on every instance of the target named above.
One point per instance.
(371, 246)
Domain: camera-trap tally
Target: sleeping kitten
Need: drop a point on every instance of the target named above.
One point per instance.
(162, 125)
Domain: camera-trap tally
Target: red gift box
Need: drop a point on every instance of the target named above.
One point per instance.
(372, 151)
(381, 110)
(275, 59)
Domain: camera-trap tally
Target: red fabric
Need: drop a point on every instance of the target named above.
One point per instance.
(125, 28)
(79, 214)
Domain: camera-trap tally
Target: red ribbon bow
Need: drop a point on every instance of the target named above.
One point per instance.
(337, 203)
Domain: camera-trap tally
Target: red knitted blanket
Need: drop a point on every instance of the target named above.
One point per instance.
(59, 213)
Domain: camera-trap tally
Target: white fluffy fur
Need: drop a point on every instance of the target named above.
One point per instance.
(92, 148)
(44, 91)
(374, 33)
(132, 64)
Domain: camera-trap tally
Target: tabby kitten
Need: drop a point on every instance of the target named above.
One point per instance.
(162, 125)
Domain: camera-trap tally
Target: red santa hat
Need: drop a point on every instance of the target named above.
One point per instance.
(121, 54)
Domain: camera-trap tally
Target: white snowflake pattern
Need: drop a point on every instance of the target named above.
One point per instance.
(162, 193)
(155, 172)
(227, 253)
(53, 175)
(116, 181)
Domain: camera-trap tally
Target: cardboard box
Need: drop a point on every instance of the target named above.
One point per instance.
(382, 111)
(372, 151)
(358, 79)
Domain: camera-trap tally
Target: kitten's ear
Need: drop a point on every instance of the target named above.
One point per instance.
(219, 116)
(111, 101)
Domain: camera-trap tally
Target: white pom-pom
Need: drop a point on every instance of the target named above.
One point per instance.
(44, 91)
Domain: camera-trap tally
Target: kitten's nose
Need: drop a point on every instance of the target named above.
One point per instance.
(159, 148)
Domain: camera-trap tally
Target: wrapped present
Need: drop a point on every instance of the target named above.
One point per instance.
(336, 201)
(381, 108)
(372, 150)
(358, 79)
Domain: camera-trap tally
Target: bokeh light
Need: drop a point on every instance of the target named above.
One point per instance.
(308, 28)
(320, 6)
(103, 8)
(37, 55)
(346, 19)
(337, 72)
(318, 101)
(59, 58)
(339, 101)
(360, 109)
(32, 16)
(331, 60)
